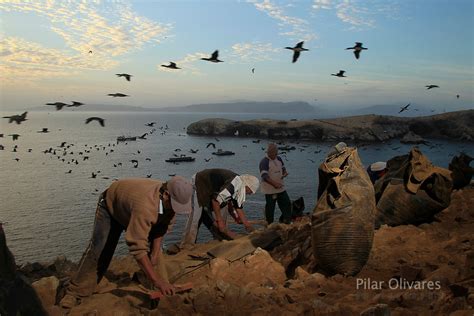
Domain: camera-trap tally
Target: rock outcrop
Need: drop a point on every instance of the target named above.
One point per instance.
(284, 279)
(365, 128)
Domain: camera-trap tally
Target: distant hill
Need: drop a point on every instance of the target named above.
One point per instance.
(94, 108)
(246, 107)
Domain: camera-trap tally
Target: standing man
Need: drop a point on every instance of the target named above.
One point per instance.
(272, 171)
(143, 208)
(216, 192)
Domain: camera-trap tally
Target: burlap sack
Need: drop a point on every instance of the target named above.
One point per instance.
(412, 191)
(343, 219)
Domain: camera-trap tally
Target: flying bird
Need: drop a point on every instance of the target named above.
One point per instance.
(339, 74)
(95, 118)
(127, 76)
(253, 70)
(150, 124)
(404, 108)
(297, 50)
(75, 103)
(431, 86)
(90, 52)
(214, 58)
(172, 65)
(14, 136)
(457, 96)
(17, 118)
(357, 49)
(58, 105)
(118, 95)
(211, 144)
(44, 130)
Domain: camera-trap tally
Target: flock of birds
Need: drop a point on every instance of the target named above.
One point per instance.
(214, 58)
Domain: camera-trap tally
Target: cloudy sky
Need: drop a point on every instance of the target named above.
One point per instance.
(44, 52)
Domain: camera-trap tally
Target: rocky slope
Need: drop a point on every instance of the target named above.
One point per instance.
(368, 128)
(283, 279)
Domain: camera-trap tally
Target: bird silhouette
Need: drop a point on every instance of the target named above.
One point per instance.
(457, 96)
(127, 76)
(207, 159)
(431, 86)
(58, 105)
(90, 52)
(297, 50)
(357, 49)
(404, 108)
(150, 124)
(75, 104)
(253, 70)
(44, 130)
(121, 95)
(14, 136)
(143, 136)
(17, 118)
(172, 65)
(95, 118)
(193, 151)
(211, 144)
(339, 74)
(149, 175)
(214, 58)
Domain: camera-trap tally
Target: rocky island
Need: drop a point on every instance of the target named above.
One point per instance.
(368, 128)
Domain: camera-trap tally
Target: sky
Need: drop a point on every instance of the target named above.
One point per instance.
(45, 52)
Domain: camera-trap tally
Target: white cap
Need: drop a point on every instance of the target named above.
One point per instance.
(378, 166)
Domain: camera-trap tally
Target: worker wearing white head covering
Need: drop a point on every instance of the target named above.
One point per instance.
(218, 192)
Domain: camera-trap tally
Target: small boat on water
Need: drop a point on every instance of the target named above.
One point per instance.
(126, 138)
(180, 159)
(221, 152)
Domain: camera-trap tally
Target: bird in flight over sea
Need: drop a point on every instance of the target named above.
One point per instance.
(44, 130)
(253, 70)
(75, 104)
(211, 144)
(404, 108)
(14, 136)
(17, 118)
(58, 105)
(357, 49)
(339, 74)
(118, 95)
(95, 118)
(90, 52)
(127, 76)
(150, 124)
(457, 96)
(297, 50)
(172, 65)
(214, 57)
(431, 86)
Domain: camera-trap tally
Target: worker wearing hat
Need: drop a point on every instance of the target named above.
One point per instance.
(144, 208)
(377, 170)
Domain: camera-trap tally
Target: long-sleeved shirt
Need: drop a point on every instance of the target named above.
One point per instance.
(134, 203)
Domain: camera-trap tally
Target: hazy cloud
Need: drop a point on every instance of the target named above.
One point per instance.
(359, 15)
(83, 27)
(253, 52)
(299, 29)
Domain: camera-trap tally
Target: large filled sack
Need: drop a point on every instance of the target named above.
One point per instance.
(461, 171)
(343, 219)
(412, 191)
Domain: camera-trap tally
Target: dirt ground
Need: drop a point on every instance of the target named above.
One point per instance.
(412, 270)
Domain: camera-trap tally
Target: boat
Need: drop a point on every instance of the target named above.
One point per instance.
(180, 159)
(221, 152)
(126, 138)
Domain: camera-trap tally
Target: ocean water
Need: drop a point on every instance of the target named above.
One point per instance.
(48, 211)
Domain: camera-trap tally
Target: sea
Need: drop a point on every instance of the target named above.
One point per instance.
(48, 200)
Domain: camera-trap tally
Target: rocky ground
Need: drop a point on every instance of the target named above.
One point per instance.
(283, 280)
(364, 128)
